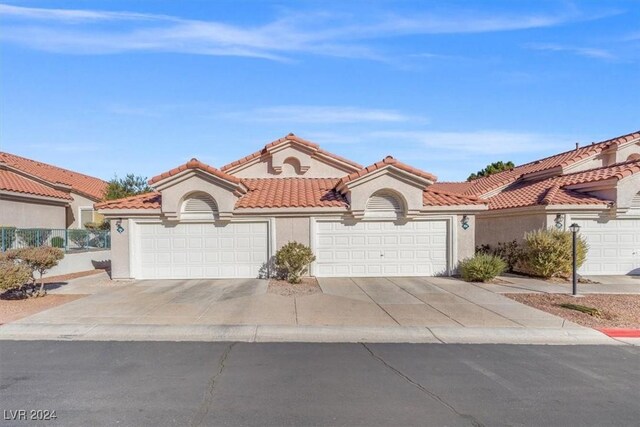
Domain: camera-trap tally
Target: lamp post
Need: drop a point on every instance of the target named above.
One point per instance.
(574, 230)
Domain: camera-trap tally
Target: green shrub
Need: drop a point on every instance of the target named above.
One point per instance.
(7, 237)
(79, 237)
(57, 242)
(293, 261)
(510, 252)
(549, 253)
(33, 237)
(482, 267)
(98, 226)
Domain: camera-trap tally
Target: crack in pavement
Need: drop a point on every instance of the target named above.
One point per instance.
(474, 422)
(203, 410)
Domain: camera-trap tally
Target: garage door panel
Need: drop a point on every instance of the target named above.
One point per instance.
(201, 250)
(614, 246)
(381, 248)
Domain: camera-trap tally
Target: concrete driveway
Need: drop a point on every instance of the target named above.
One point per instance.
(376, 302)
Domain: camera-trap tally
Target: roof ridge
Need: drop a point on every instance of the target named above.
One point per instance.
(52, 166)
(626, 162)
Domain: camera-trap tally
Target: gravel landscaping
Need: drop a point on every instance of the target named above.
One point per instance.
(617, 311)
(11, 310)
(308, 286)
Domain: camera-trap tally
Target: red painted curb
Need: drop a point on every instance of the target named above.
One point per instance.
(621, 332)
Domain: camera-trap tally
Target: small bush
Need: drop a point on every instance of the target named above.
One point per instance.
(33, 237)
(293, 261)
(79, 237)
(40, 260)
(13, 275)
(482, 267)
(97, 226)
(57, 242)
(7, 237)
(510, 252)
(549, 253)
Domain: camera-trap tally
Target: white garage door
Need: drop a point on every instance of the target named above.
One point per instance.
(614, 246)
(194, 251)
(381, 248)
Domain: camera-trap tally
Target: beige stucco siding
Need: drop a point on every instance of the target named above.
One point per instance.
(73, 211)
(491, 230)
(31, 213)
(465, 239)
(263, 169)
(292, 229)
(120, 251)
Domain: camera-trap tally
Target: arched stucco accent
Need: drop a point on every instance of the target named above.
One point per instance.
(385, 203)
(198, 205)
(291, 166)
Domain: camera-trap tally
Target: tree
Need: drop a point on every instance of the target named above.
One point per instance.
(40, 260)
(131, 185)
(494, 167)
(293, 260)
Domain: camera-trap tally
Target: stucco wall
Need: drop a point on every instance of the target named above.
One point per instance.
(466, 239)
(317, 169)
(120, 251)
(30, 213)
(492, 230)
(81, 261)
(73, 218)
(292, 229)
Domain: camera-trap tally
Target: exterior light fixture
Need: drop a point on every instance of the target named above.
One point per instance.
(559, 221)
(465, 222)
(574, 230)
(119, 227)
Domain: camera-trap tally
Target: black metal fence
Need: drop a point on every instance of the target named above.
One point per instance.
(70, 240)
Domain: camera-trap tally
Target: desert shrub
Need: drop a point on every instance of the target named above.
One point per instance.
(97, 226)
(481, 267)
(293, 261)
(33, 237)
(13, 275)
(549, 253)
(40, 260)
(79, 237)
(510, 252)
(7, 237)
(57, 242)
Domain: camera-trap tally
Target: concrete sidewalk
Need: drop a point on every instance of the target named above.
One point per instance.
(398, 309)
(605, 285)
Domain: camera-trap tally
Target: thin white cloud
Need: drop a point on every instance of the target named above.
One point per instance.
(104, 32)
(320, 114)
(589, 52)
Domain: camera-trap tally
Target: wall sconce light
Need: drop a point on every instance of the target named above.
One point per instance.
(119, 227)
(559, 221)
(465, 222)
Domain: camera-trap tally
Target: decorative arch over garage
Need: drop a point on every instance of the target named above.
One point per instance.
(385, 203)
(199, 205)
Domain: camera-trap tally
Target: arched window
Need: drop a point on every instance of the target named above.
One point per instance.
(384, 203)
(199, 206)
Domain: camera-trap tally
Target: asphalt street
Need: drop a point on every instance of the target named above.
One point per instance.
(168, 383)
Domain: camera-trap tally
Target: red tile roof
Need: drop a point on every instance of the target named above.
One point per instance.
(484, 185)
(141, 201)
(388, 161)
(434, 197)
(86, 185)
(291, 193)
(195, 164)
(554, 191)
(295, 139)
(11, 181)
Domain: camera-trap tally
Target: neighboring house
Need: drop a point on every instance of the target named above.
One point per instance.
(201, 222)
(37, 195)
(596, 186)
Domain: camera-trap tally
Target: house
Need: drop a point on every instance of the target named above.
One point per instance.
(596, 186)
(386, 219)
(38, 195)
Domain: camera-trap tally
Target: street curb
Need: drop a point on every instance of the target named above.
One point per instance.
(307, 334)
(620, 332)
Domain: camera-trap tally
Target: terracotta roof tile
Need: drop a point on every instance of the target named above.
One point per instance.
(290, 193)
(434, 197)
(141, 201)
(553, 191)
(11, 181)
(492, 182)
(86, 185)
(387, 161)
(293, 138)
(194, 164)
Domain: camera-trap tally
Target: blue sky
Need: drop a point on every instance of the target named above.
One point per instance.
(111, 87)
